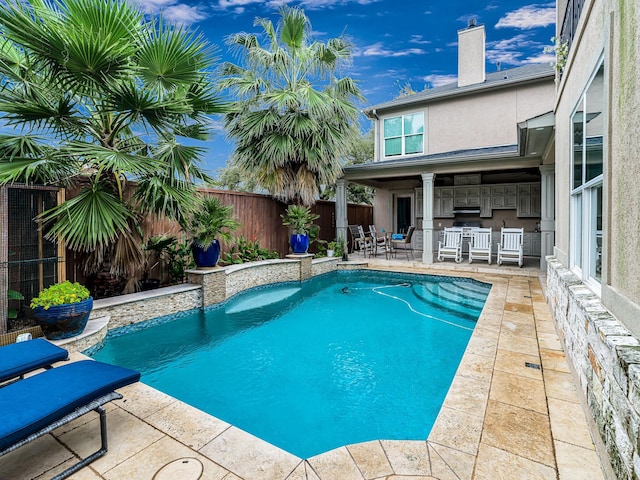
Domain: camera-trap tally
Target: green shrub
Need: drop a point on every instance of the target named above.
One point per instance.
(60, 294)
(244, 250)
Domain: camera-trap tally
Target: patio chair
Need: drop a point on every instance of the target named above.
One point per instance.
(20, 358)
(39, 404)
(451, 244)
(403, 242)
(510, 246)
(379, 243)
(360, 241)
(480, 245)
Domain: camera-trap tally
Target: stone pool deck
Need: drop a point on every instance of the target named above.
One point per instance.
(512, 412)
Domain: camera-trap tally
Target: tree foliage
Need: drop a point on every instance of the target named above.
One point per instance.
(360, 151)
(96, 94)
(295, 116)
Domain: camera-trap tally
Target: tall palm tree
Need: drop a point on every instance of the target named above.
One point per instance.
(92, 94)
(294, 117)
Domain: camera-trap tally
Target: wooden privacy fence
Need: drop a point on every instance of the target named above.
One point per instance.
(259, 216)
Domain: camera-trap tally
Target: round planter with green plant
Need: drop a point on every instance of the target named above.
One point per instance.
(62, 310)
(300, 220)
(209, 223)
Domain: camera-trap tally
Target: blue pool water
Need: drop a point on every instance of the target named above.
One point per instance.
(344, 358)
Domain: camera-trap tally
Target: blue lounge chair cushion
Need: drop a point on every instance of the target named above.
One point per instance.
(397, 236)
(32, 404)
(24, 357)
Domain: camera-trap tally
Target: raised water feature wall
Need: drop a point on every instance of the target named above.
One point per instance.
(605, 357)
(207, 287)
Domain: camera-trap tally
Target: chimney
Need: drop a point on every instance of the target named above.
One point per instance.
(471, 54)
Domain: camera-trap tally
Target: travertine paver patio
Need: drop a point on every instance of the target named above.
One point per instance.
(502, 418)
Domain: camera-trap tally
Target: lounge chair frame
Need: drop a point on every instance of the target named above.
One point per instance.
(95, 405)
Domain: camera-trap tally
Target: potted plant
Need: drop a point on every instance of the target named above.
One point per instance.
(299, 219)
(62, 310)
(209, 223)
(331, 248)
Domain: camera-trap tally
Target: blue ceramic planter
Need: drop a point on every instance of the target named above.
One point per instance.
(299, 243)
(206, 257)
(64, 321)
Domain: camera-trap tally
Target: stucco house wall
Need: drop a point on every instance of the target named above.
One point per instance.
(600, 327)
(483, 119)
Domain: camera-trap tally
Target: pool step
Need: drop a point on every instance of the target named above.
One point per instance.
(451, 298)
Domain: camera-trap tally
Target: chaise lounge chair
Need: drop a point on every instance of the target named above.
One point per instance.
(41, 403)
(20, 358)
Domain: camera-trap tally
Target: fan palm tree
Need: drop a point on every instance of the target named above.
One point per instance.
(93, 94)
(294, 117)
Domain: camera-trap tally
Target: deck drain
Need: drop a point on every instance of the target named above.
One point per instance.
(532, 365)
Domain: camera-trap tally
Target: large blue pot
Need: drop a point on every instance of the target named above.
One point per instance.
(64, 321)
(299, 243)
(206, 257)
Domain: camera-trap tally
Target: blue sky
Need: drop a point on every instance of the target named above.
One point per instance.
(394, 41)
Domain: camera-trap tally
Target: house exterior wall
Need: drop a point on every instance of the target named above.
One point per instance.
(484, 119)
(600, 327)
(610, 30)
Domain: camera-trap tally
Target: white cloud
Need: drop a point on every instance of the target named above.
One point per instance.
(183, 14)
(510, 51)
(172, 11)
(419, 39)
(378, 50)
(436, 80)
(529, 16)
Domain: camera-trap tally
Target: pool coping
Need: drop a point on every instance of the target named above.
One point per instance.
(460, 444)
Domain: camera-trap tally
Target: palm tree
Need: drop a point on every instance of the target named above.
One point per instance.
(95, 94)
(294, 117)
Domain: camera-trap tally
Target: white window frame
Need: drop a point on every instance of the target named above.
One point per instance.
(403, 136)
(583, 203)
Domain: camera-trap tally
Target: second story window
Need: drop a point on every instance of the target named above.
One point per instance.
(404, 135)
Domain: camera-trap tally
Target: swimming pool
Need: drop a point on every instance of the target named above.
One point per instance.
(343, 358)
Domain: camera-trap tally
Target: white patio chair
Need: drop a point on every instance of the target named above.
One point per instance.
(451, 244)
(510, 246)
(480, 244)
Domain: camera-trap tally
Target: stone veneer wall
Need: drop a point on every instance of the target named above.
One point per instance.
(207, 287)
(248, 275)
(606, 360)
(138, 307)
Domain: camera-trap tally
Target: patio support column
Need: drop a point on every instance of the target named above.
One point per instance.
(547, 213)
(427, 219)
(342, 221)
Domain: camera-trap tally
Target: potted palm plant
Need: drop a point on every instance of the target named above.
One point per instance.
(62, 310)
(211, 222)
(300, 220)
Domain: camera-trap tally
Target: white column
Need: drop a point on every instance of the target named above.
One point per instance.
(547, 213)
(427, 218)
(341, 209)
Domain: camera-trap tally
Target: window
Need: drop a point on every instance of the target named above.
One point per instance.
(587, 179)
(404, 135)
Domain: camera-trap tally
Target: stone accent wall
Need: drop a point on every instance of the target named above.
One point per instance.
(208, 287)
(606, 360)
(213, 283)
(138, 307)
(248, 275)
(323, 265)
